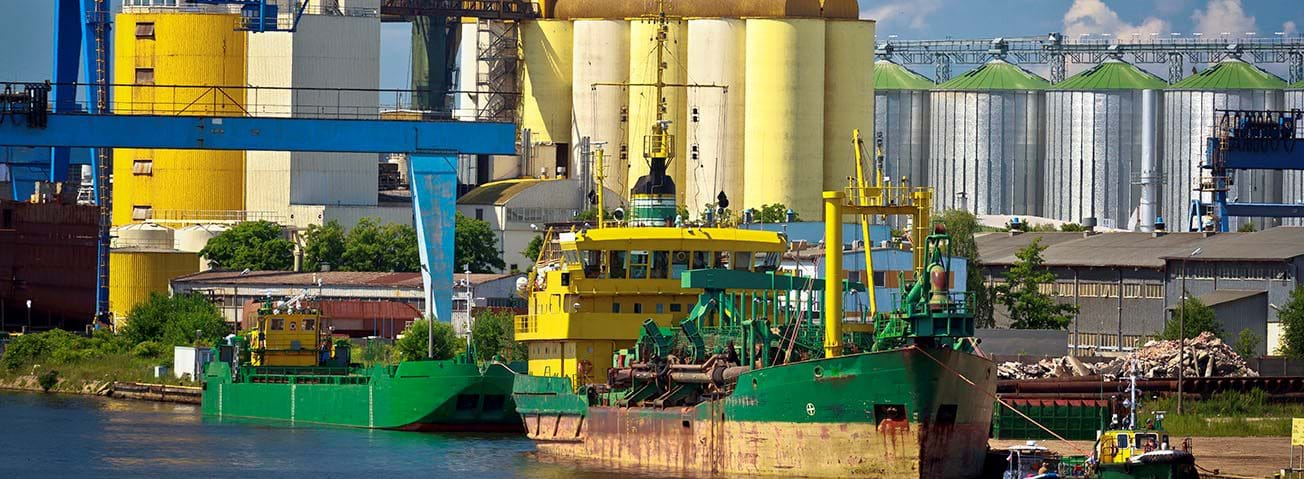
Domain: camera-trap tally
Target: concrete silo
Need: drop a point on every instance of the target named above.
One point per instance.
(714, 160)
(601, 55)
(987, 141)
(546, 90)
(784, 100)
(848, 95)
(642, 100)
(1189, 118)
(1094, 124)
(901, 116)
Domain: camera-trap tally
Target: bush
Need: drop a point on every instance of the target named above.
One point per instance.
(413, 344)
(173, 320)
(48, 380)
(494, 334)
(149, 350)
(24, 350)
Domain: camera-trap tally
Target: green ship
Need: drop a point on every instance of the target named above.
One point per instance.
(285, 371)
(749, 384)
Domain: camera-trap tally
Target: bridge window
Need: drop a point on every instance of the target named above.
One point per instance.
(678, 264)
(638, 308)
(1122, 441)
(742, 260)
(676, 307)
(699, 259)
(660, 264)
(638, 264)
(617, 264)
(720, 259)
(615, 307)
(309, 325)
(278, 324)
(592, 263)
(765, 261)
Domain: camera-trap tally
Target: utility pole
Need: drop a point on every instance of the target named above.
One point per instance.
(1181, 334)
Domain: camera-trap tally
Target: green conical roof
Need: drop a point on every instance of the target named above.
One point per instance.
(889, 75)
(1112, 75)
(1231, 74)
(995, 75)
(1299, 85)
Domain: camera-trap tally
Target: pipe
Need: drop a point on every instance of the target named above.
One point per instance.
(832, 311)
(1149, 149)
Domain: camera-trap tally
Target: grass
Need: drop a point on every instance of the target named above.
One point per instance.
(75, 374)
(1226, 414)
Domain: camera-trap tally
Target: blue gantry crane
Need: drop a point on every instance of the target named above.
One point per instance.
(1246, 140)
(47, 114)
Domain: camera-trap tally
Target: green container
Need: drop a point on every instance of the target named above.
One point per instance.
(1071, 418)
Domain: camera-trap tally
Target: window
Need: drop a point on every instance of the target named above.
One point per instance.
(721, 260)
(615, 307)
(145, 30)
(142, 167)
(309, 325)
(699, 259)
(1122, 441)
(638, 265)
(676, 307)
(617, 264)
(742, 260)
(660, 265)
(678, 264)
(141, 213)
(144, 76)
(661, 308)
(638, 308)
(278, 324)
(592, 263)
(479, 214)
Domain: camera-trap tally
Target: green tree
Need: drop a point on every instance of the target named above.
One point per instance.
(493, 333)
(324, 244)
(1073, 227)
(773, 213)
(475, 246)
(1028, 307)
(369, 246)
(533, 248)
(1199, 319)
(174, 320)
(1247, 344)
(254, 245)
(415, 339)
(1292, 325)
(962, 225)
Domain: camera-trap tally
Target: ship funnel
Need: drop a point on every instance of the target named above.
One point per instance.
(653, 197)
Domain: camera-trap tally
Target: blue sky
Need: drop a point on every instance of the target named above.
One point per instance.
(26, 36)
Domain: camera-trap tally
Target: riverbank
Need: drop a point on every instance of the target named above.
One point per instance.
(1235, 456)
(115, 389)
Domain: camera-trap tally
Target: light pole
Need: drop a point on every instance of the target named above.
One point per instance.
(1181, 333)
(29, 317)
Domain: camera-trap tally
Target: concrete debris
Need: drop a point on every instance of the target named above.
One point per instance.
(1206, 356)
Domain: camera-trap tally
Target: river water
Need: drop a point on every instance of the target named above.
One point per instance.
(56, 435)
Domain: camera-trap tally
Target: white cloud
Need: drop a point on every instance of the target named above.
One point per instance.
(1288, 28)
(1221, 16)
(913, 13)
(1094, 17)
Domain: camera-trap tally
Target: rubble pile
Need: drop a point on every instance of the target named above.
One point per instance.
(1206, 356)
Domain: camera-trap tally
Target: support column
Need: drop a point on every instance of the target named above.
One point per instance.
(434, 195)
(832, 311)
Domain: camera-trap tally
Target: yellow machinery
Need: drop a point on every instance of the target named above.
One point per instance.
(286, 335)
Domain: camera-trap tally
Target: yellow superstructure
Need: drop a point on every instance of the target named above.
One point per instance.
(594, 288)
(286, 338)
(134, 273)
(154, 51)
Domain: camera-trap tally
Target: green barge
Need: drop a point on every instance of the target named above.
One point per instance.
(287, 370)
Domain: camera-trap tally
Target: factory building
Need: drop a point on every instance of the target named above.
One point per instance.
(1127, 284)
(1094, 144)
(988, 134)
(767, 72)
(1189, 118)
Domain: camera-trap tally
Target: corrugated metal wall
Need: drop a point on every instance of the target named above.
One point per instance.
(902, 116)
(1292, 182)
(991, 145)
(1093, 153)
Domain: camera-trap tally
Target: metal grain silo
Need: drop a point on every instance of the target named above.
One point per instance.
(987, 141)
(1188, 120)
(716, 51)
(784, 100)
(848, 95)
(601, 55)
(642, 99)
(1093, 144)
(901, 116)
(1292, 182)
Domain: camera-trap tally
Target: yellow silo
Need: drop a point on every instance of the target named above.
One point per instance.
(192, 49)
(601, 55)
(716, 56)
(546, 79)
(134, 273)
(784, 100)
(643, 101)
(848, 95)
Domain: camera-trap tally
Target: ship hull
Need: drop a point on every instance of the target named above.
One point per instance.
(885, 414)
(413, 396)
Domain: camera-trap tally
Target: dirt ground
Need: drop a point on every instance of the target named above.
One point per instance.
(1237, 456)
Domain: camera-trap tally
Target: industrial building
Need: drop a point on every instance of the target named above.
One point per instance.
(40, 243)
(766, 73)
(1127, 284)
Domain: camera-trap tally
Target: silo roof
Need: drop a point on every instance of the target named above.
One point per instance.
(1112, 75)
(995, 75)
(890, 75)
(1231, 74)
(1299, 85)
